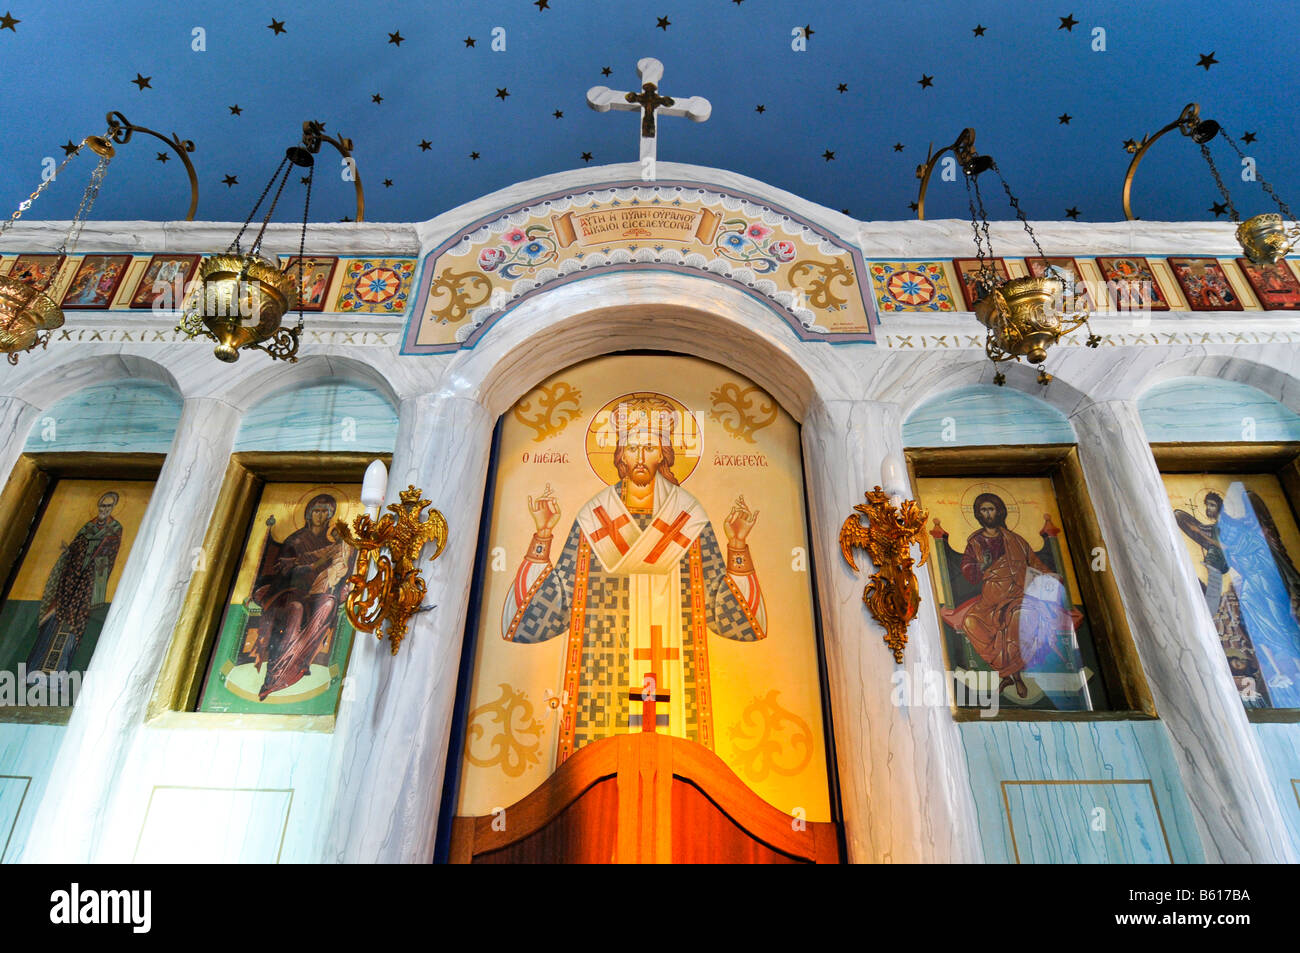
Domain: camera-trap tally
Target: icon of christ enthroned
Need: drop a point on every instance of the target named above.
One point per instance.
(640, 584)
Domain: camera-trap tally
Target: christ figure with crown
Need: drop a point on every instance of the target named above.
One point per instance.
(640, 584)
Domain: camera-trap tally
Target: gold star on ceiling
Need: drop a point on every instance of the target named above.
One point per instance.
(142, 82)
(276, 25)
(396, 38)
(8, 23)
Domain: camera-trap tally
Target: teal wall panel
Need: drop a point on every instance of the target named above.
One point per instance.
(1280, 746)
(984, 415)
(1079, 792)
(26, 757)
(1209, 410)
(323, 417)
(135, 416)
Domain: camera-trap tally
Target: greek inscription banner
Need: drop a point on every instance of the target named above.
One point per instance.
(812, 278)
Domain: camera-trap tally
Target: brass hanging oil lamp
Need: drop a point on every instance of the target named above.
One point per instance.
(1024, 316)
(1265, 238)
(240, 298)
(27, 314)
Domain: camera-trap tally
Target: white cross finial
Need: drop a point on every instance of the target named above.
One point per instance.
(650, 103)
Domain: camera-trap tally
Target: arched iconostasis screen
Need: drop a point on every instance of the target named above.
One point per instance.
(647, 518)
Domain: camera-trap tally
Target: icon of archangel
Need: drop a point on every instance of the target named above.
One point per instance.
(639, 583)
(1009, 607)
(1252, 589)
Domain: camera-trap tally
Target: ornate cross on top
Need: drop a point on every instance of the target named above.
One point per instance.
(648, 101)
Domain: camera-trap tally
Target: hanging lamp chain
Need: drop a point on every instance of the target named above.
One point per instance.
(1282, 206)
(1218, 181)
(261, 232)
(234, 245)
(302, 245)
(87, 202)
(24, 205)
(1015, 204)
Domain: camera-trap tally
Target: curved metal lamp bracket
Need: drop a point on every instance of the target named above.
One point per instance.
(313, 134)
(963, 149)
(121, 129)
(1186, 123)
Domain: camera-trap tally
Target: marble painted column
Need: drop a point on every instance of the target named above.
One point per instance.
(1222, 771)
(393, 727)
(902, 769)
(119, 682)
(16, 417)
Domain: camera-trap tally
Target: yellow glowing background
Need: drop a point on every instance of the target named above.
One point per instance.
(73, 504)
(1187, 492)
(287, 503)
(1028, 500)
(741, 672)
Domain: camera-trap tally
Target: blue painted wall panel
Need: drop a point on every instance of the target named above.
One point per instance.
(1206, 409)
(124, 417)
(982, 415)
(1038, 786)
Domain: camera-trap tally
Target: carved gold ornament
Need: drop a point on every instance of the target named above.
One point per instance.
(396, 590)
(556, 405)
(733, 407)
(891, 594)
(238, 302)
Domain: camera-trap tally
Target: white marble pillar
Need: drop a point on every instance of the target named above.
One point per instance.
(16, 417)
(1222, 771)
(128, 657)
(393, 727)
(902, 769)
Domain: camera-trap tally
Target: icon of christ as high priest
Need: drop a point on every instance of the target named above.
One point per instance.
(639, 585)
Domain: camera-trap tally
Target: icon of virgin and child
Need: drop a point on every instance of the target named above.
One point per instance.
(639, 583)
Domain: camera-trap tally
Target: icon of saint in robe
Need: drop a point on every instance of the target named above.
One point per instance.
(1019, 617)
(640, 584)
(77, 585)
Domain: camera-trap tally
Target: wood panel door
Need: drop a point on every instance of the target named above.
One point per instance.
(642, 798)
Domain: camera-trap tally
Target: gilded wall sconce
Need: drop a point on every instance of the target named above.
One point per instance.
(396, 590)
(893, 525)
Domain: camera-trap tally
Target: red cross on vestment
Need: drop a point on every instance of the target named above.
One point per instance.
(671, 534)
(611, 529)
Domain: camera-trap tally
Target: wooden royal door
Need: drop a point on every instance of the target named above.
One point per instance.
(642, 798)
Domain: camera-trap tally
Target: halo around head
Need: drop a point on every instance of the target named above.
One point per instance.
(1007, 497)
(663, 416)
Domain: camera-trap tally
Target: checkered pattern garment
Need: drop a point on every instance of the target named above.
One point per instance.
(602, 705)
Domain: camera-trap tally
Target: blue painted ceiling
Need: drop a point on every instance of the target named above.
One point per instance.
(489, 117)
